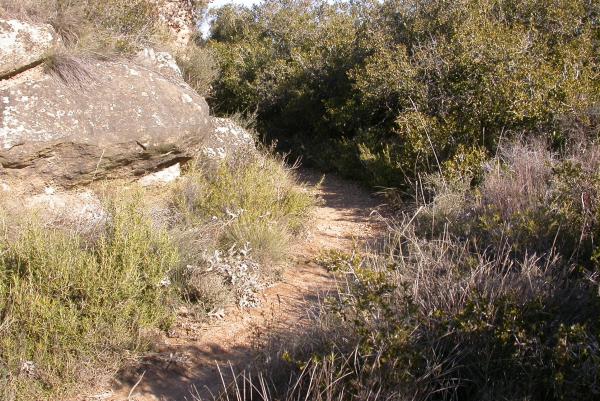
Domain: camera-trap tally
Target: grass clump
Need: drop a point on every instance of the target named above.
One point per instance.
(239, 217)
(100, 28)
(70, 306)
(256, 198)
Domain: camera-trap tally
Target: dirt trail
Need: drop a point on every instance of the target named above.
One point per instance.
(343, 219)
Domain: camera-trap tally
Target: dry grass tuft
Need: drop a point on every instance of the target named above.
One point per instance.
(69, 69)
(483, 293)
(94, 28)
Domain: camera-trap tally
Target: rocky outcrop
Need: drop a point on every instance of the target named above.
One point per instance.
(179, 16)
(82, 121)
(106, 119)
(23, 45)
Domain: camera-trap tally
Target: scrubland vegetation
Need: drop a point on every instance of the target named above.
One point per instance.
(242, 215)
(479, 119)
(481, 292)
(386, 91)
(77, 300)
(68, 304)
(75, 303)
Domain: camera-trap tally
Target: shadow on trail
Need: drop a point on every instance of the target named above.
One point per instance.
(346, 217)
(156, 374)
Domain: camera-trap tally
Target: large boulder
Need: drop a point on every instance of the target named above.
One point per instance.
(98, 120)
(24, 44)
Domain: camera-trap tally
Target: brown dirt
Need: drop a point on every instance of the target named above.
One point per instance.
(188, 361)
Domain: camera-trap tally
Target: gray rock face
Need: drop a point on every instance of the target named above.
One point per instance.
(161, 62)
(23, 44)
(108, 119)
(227, 138)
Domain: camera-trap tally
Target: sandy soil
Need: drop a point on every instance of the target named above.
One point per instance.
(188, 360)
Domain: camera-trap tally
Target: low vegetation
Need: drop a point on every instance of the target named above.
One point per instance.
(69, 305)
(74, 303)
(481, 292)
(479, 118)
(252, 207)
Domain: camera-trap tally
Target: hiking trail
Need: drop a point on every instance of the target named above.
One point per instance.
(343, 219)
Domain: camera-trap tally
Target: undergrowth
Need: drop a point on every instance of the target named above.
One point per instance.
(237, 222)
(483, 291)
(71, 306)
(76, 300)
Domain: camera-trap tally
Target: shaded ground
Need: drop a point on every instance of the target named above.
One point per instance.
(189, 360)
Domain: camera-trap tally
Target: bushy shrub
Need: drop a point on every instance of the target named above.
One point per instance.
(70, 306)
(384, 91)
(257, 199)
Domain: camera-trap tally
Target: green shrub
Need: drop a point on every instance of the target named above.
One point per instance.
(386, 91)
(69, 306)
(256, 198)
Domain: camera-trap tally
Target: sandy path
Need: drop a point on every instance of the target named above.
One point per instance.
(342, 220)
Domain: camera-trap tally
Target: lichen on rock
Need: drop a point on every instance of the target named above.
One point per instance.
(23, 44)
